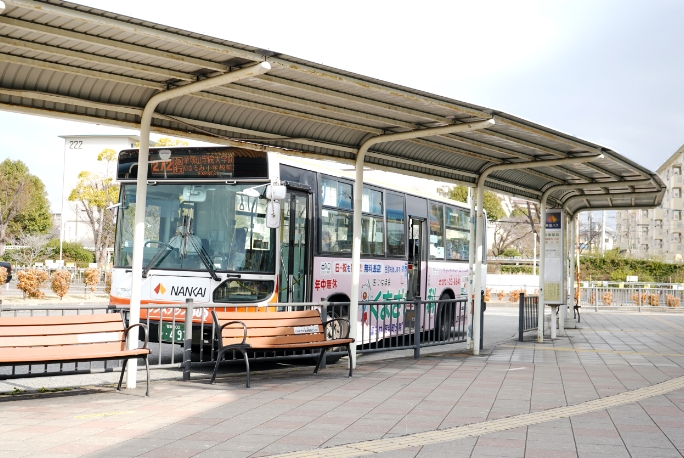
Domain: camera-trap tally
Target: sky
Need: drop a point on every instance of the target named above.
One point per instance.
(607, 71)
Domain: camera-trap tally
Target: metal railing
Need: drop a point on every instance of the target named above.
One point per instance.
(528, 315)
(183, 336)
(632, 297)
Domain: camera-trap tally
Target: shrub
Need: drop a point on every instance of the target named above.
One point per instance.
(488, 294)
(672, 301)
(500, 295)
(92, 277)
(607, 298)
(654, 300)
(30, 282)
(514, 296)
(61, 280)
(3, 276)
(526, 270)
(108, 282)
(73, 252)
(511, 253)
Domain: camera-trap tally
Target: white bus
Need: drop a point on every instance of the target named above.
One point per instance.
(207, 237)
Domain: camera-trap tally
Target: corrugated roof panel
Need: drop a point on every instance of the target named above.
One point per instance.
(108, 66)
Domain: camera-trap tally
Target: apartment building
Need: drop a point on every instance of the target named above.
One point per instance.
(656, 233)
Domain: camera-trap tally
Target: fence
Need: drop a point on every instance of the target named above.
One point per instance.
(528, 315)
(182, 336)
(664, 297)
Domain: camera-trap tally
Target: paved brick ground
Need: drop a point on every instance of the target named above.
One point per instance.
(290, 410)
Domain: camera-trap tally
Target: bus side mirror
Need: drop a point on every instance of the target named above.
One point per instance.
(273, 214)
(275, 192)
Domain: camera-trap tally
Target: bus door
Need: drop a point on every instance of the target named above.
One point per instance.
(294, 234)
(416, 257)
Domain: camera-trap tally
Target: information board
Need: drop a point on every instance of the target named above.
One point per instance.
(553, 264)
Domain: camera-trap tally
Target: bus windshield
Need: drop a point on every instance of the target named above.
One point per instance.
(185, 222)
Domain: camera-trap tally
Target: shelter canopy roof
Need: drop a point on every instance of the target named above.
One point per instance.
(69, 61)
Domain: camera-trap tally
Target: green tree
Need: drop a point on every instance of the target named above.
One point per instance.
(492, 204)
(95, 194)
(24, 207)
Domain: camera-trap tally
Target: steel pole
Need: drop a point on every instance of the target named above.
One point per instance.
(358, 201)
(471, 266)
(141, 187)
(480, 234)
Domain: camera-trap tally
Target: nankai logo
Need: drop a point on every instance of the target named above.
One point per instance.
(183, 291)
(186, 291)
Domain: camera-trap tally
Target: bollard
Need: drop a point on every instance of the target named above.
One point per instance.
(482, 310)
(521, 316)
(187, 345)
(416, 329)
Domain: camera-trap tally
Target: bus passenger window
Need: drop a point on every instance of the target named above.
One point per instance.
(396, 225)
(436, 231)
(372, 236)
(336, 230)
(457, 234)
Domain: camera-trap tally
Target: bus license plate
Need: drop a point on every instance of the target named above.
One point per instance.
(169, 333)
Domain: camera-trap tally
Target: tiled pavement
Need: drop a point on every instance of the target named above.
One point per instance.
(290, 410)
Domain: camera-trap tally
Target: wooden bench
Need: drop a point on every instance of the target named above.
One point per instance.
(244, 331)
(71, 338)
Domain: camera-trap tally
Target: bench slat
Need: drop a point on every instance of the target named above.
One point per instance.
(67, 339)
(261, 332)
(273, 323)
(241, 316)
(50, 320)
(324, 343)
(21, 356)
(59, 329)
(74, 351)
(278, 340)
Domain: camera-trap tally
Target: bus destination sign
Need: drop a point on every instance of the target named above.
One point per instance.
(195, 163)
(218, 164)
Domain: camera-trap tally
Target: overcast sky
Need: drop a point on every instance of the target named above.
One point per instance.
(605, 71)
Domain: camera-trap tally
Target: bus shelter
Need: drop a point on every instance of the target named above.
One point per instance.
(69, 61)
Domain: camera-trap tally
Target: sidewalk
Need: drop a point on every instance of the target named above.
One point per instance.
(621, 373)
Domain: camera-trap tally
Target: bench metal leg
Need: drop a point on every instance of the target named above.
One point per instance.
(350, 359)
(320, 358)
(123, 369)
(218, 361)
(147, 370)
(244, 355)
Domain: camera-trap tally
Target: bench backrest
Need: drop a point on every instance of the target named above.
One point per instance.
(272, 328)
(80, 335)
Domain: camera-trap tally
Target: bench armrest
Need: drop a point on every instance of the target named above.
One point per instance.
(326, 323)
(220, 332)
(142, 325)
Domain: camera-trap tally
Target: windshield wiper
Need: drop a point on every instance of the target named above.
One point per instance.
(204, 256)
(158, 257)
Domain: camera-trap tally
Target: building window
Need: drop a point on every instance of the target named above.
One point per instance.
(676, 215)
(658, 223)
(677, 170)
(618, 214)
(618, 227)
(644, 213)
(644, 230)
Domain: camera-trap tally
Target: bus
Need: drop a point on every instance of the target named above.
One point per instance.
(233, 227)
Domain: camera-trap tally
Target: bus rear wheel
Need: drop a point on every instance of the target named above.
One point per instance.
(337, 329)
(445, 317)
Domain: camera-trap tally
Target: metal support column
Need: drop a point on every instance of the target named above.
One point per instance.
(141, 187)
(358, 201)
(479, 236)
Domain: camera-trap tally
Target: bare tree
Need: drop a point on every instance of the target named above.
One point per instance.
(32, 248)
(509, 233)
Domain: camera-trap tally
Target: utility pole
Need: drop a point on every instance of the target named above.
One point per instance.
(603, 233)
